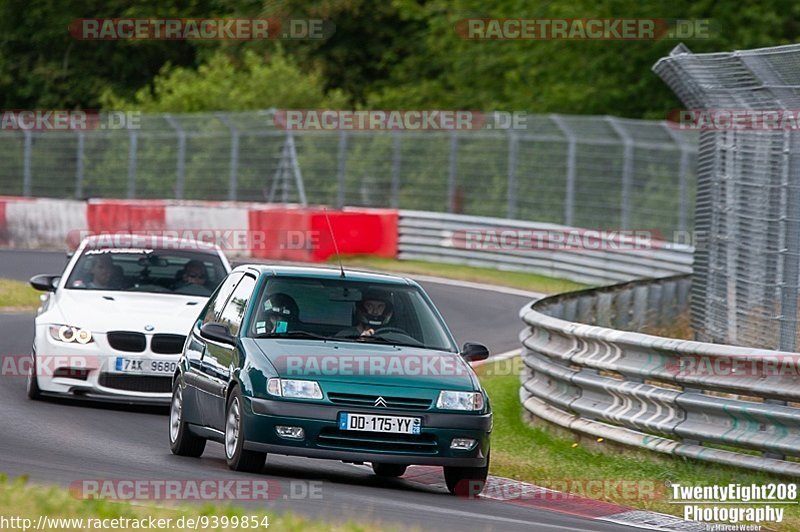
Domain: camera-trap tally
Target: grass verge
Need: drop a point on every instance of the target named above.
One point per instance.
(21, 500)
(17, 296)
(524, 281)
(533, 454)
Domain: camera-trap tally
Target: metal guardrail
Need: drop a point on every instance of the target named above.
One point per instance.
(710, 402)
(579, 255)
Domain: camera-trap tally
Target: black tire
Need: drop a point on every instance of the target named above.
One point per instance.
(466, 481)
(32, 383)
(181, 441)
(237, 457)
(389, 470)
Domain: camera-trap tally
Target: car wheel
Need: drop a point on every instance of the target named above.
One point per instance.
(32, 383)
(389, 470)
(466, 481)
(237, 457)
(181, 441)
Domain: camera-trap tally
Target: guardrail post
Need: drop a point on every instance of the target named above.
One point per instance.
(180, 157)
(627, 172)
(451, 172)
(394, 198)
(511, 191)
(79, 165)
(132, 146)
(342, 168)
(569, 195)
(27, 175)
(233, 165)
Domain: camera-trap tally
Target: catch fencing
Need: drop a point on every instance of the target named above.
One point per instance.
(710, 402)
(584, 171)
(747, 263)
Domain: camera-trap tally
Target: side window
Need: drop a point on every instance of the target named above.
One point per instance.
(216, 303)
(233, 313)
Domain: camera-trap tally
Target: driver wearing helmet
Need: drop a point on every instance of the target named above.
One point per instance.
(373, 312)
(281, 312)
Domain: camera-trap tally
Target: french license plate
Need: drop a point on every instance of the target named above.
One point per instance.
(372, 423)
(134, 365)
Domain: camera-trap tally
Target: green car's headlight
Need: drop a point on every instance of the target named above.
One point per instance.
(460, 400)
(69, 334)
(295, 389)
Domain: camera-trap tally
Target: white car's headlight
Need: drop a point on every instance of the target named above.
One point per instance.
(295, 389)
(69, 334)
(460, 400)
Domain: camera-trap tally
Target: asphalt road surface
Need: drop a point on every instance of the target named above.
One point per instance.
(62, 442)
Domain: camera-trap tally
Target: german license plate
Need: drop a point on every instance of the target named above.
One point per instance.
(373, 423)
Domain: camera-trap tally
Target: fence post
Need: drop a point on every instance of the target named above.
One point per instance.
(394, 199)
(233, 165)
(27, 176)
(134, 141)
(341, 170)
(451, 172)
(569, 196)
(79, 165)
(180, 163)
(627, 172)
(511, 191)
(791, 256)
(683, 177)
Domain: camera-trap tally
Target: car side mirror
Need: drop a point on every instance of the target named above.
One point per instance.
(217, 333)
(44, 282)
(472, 352)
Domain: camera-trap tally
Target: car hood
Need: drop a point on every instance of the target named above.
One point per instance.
(101, 311)
(362, 363)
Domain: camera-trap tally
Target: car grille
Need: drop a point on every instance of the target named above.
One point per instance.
(399, 403)
(136, 383)
(167, 344)
(132, 342)
(377, 441)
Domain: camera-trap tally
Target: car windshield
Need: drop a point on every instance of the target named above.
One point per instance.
(164, 271)
(345, 310)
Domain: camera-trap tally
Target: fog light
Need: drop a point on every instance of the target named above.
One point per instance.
(295, 433)
(462, 444)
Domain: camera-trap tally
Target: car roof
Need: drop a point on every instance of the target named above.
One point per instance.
(321, 273)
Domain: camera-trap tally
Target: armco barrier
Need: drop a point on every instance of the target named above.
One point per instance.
(459, 239)
(257, 229)
(673, 396)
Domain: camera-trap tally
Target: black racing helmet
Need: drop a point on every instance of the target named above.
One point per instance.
(372, 320)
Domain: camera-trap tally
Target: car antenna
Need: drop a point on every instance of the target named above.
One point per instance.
(335, 246)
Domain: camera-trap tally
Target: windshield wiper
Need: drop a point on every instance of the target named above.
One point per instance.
(295, 334)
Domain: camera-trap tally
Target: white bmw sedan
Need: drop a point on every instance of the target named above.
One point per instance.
(113, 324)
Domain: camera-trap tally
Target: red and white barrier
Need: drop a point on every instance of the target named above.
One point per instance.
(241, 229)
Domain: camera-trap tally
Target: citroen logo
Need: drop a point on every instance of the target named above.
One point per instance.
(148, 328)
(380, 401)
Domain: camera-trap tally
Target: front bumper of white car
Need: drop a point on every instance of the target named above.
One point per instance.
(121, 366)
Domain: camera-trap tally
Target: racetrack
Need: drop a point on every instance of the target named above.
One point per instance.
(63, 442)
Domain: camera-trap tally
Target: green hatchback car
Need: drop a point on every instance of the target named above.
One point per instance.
(323, 363)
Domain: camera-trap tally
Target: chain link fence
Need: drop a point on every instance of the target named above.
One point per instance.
(747, 258)
(589, 171)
